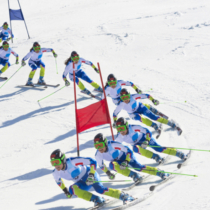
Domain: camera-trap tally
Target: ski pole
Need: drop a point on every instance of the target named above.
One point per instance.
(10, 77)
(147, 90)
(166, 172)
(182, 148)
(115, 181)
(56, 65)
(52, 93)
(181, 102)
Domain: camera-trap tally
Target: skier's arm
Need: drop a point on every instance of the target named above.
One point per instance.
(16, 55)
(100, 162)
(90, 64)
(128, 83)
(66, 71)
(143, 96)
(49, 50)
(117, 111)
(27, 56)
(10, 32)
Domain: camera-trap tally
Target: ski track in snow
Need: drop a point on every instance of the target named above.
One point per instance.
(158, 45)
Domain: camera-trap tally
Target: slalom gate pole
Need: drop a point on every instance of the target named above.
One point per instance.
(165, 172)
(181, 148)
(107, 108)
(56, 65)
(10, 77)
(51, 93)
(75, 102)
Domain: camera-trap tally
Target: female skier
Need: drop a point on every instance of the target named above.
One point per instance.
(82, 171)
(5, 52)
(35, 55)
(5, 32)
(74, 64)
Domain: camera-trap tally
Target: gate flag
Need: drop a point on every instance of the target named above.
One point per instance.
(16, 14)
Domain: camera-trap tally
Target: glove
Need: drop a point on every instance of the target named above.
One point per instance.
(67, 83)
(110, 175)
(8, 39)
(145, 144)
(23, 63)
(96, 70)
(124, 165)
(17, 62)
(138, 91)
(67, 193)
(55, 55)
(155, 102)
(90, 180)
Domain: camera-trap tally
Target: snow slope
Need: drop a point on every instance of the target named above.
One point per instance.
(163, 45)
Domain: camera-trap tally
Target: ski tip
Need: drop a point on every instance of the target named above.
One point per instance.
(179, 165)
(152, 188)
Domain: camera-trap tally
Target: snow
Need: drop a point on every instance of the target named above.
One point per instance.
(159, 45)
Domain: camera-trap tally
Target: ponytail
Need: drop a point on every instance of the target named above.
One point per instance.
(31, 49)
(1, 47)
(67, 60)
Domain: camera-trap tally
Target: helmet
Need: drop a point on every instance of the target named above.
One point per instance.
(4, 44)
(99, 138)
(36, 44)
(111, 77)
(121, 124)
(124, 92)
(74, 53)
(5, 25)
(57, 154)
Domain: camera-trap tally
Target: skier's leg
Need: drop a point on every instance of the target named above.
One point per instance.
(6, 66)
(155, 111)
(116, 167)
(137, 116)
(78, 82)
(42, 72)
(144, 152)
(31, 75)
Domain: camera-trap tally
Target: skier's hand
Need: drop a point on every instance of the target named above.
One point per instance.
(124, 165)
(17, 62)
(96, 70)
(23, 63)
(138, 91)
(155, 102)
(67, 193)
(8, 39)
(90, 180)
(110, 175)
(67, 83)
(55, 55)
(145, 144)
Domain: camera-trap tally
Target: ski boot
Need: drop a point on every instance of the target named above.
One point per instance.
(86, 91)
(136, 177)
(157, 158)
(98, 201)
(181, 155)
(126, 197)
(29, 82)
(155, 111)
(41, 81)
(162, 174)
(175, 126)
(99, 89)
(157, 128)
(0, 73)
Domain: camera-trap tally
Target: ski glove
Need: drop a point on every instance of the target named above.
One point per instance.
(67, 83)
(55, 55)
(90, 180)
(155, 102)
(145, 144)
(8, 39)
(96, 70)
(67, 193)
(110, 175)
(124, 165)
(23, 63)
(17, 62)
(138, 91)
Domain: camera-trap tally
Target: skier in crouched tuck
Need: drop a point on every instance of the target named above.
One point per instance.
(82, 171)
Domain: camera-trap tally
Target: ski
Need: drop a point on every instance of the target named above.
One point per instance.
(152, 188)
(147, 176)
(134, 202)
(91, 95)
(3, 78)
(185, 160)
(105, 204)
(95, 90)
(177, 128)
(32, 87)
(48, 85)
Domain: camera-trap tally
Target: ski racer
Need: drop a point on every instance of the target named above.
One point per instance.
(82, 171)
(135, 109)
(35, 55)
(74, 64)
(120, 158)
(140, 138)
(5, 32)
(5, 52)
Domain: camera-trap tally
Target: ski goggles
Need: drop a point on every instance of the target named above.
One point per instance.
(6, 46)
(121, 128)
(112, 82)
(36, 48)
(125, 97)
(100, 145)
(57, 162)
(5, 26)
(75, 58)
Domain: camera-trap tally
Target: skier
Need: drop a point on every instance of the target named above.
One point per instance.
(5, 52)
(113, 88)
(136, 109)
(5, 32)
(35, 55)
(74, 63)
(140, 137)
(82, 171)
(120, 157)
